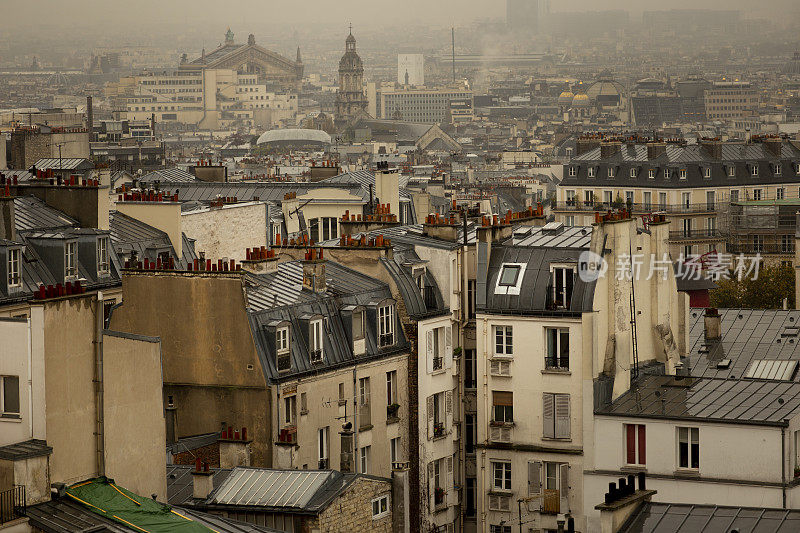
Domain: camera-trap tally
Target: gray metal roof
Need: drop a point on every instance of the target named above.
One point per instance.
(130, 234)
(66, 163)
(65, 516)
(264, 191)
(30, 213)
(577, 237)
(24, 450)
(413, 298)
(287, 490)
(735, 401)
(294, 135)
(534, 291)
(180, 486)
(747, 335)
(169, 175)
(654, 517)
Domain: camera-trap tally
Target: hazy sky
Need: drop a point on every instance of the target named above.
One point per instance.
(24, 13)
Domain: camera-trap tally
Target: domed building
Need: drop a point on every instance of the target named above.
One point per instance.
(565, 100)
(350, 98)
(606, 93)
(581, 106)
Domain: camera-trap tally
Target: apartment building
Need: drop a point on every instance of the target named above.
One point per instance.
(545, 334)
(695, 185)
(425, 106)
(731, 101)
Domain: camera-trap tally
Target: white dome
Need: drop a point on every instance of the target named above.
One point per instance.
(299, 136)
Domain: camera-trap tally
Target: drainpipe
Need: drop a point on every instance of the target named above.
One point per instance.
(98, 377)
(356, 451)
(31, 415)
(783, 461)
(485, 387)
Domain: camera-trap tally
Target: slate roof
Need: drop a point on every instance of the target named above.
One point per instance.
(264, 191)
(577, 237)
(194, 442)
(278, 296)
(169, 175)
(65, 163)
(534, 293)
(128, 234)
(654, 517)
(693, 158)
(747, 335)
(734, 401)
(413, 298)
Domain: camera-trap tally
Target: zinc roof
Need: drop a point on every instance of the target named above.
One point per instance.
(654, 517)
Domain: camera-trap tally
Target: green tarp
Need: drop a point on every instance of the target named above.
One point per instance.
(103, 497)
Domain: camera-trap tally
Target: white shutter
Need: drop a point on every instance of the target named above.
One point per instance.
(429, 406)
(548, 415)
(534, 478)
(431, 486)
(430, 351)
(448, 402)
(500, 434)
(450, 477)
(498, 502)
(448, 346)
(562, 416)
(500, 368)
(563, 473)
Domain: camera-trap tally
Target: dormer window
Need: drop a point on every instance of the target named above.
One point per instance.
(71, 259)
(754, 170)
(666, 173)
(732, 171)
(562, 279)
(610, 172)
(358, 325)
(633, 172)
(102, 255)
(707, 173)
(591, 172)
(778, 169)
(284, 361)
(682, 174)
(651, 173)
(14, 268)
(315, 340)
(573, 171)
(386, 326)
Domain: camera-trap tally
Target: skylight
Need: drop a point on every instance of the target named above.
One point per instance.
(509, 275)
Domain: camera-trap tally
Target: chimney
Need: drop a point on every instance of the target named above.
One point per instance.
(586, 144)
(656, 149)
(170, 415)
(234, 448)
(8, 228)
(621, 503)
(401, 498)
(347, 459)
(259, 260)
(712, 146)
(387, 187)
(713, 324)
(90, 118)
(202, 480)
(314, 271)
(773, 145)
(609, 148)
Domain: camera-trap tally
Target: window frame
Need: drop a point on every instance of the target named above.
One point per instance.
(506, 340)
(503, 468)
(316, 340)
(383, 507)
(103, 258)
(503, 281)
(558, 357)
(638, 434)
(692, 454)
(364, 453)
(386, 325)
(70, 259)
(4, 384)
(14, 275)
(566, 288)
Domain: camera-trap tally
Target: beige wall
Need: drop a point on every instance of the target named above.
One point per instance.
(165, 216)
(227, 231)
(135, 433)
(213, 372)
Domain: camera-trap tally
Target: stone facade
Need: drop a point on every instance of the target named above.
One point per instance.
(352, 510)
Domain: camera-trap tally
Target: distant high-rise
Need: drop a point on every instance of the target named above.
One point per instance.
(525, 14)
(411, 69)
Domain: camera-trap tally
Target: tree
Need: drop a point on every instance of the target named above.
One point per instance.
(767, 291)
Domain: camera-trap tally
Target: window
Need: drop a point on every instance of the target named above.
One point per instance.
(71, 259)
(364, 453)
(588, 197)
(342, 399)
(590, 171)
(662, 201)
(666, 173)
(323, 440)
(734, 196)
(573, 171)
(732, 171)
(14, 277)
(303, 403)
(386, 326)
(633, 172)
(778, 169)
(557, 348)
(499, 529)
(756, 194)
(289, 408)
(635, 453)
(651, 173)
(556, 415)
(315, 338)
(102, 255)
(503, 341)
(688, 447)
(501, 475)
(607, 197)
(707, 173)
(472, 497)
(380, 507)
(282, 349)
(509, 275)
(758, 243)
(471, 433)
(394, 449)
(470, 369)
(682, 174)
(687, 251)
(787, 243)
(10, 396)
(610, 172)
(503, 407)
(313, 229)
(647, 200)
(687, 227)
(754, 170)
(471, 284)
(562, 279)
(569, 221)
(358, 325)
(779, 193)
(629, 198)
(391, 387)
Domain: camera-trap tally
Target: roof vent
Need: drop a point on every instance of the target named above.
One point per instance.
(725, 363)
(552, 228)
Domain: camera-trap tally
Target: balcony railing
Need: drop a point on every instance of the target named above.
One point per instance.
(765, 248)
(551, 501)
(695, 234)
(12, 504)
(637, 208)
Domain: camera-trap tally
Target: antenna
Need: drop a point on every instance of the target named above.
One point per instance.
(453, 38)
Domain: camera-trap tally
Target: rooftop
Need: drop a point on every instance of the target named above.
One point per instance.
(654, 517)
